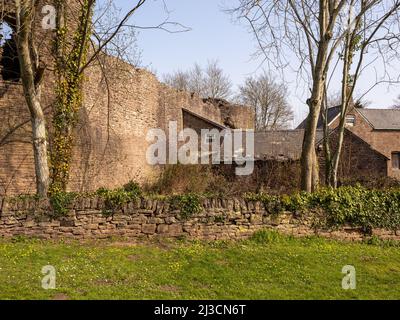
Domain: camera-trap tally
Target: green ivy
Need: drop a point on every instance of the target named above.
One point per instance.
(331, 208)
(272, 203)
(133, 187)
(117, 198)
(187, 204)
(354, 206)
(60, 201)
(70, 49)
(24, 197)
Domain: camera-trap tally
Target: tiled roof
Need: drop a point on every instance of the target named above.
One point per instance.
(333, 112)
(382, 119)
(280, 145)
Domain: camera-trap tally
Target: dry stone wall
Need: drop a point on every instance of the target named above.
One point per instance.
(220, 219)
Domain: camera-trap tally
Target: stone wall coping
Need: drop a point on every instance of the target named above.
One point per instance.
(12, 204)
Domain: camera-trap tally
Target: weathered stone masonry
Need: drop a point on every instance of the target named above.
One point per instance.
(121, 104)
(219, 219)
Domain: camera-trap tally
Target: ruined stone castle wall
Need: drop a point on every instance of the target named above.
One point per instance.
(111, 145)
(121, 104)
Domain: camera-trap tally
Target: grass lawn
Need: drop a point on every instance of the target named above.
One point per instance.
(269, 266)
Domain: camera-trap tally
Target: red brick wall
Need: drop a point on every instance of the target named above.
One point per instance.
(384, 141)
(358, 159)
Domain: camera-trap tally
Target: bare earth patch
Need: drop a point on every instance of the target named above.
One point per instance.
(170, 288)
(60, 296)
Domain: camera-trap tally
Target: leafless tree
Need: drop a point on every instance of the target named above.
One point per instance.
(208, 82)
(114, 32)
(197, 80)
(306, 36)
(92, 38)
(397, 103)
(124, 45)
(31, 75)
(217, 83)
(24, 15)
(269, 100)
(179, 80)
(371, 26)
(77, 45)
(334, 99)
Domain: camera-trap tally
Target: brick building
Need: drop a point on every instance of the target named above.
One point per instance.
(370, 148)
(372, 141)
(121, 104)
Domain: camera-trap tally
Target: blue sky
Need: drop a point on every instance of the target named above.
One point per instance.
(215, 35)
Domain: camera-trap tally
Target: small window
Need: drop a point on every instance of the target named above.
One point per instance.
(5, 33)
(210, 138)
(9, 63)
(350, 121)
(396, 160)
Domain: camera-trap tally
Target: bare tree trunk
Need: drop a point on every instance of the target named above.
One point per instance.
(346, 96)
(313, 31)
(40, 154)
(308, 157)
(327, 147)
(32, 93)
(315, 173)
(341, 128)
(309, 161)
